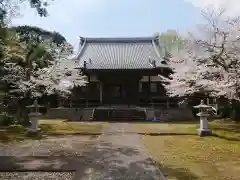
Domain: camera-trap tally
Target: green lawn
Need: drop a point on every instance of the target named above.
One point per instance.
(51, 127)
(69, 127)
(185, 157)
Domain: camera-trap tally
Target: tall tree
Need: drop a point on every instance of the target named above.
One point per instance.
(47, 80)
(216, 52)
(32, 33)
(12, 50)
(210, 62)
(10, 7)
(170, 42)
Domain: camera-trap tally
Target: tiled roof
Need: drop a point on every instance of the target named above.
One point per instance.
(119, 53)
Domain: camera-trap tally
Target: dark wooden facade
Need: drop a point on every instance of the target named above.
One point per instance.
(124, 87)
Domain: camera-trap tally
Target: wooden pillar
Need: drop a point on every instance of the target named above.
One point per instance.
(48, 106)
(208, 101)
(138, 91)
(215, 100)
(168, 103)
(149, 88)
(149, 85)
(88, 91)
(101, 91)
(60, 101)
(215, 103)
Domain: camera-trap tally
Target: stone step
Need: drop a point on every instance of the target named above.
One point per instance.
(115, 114)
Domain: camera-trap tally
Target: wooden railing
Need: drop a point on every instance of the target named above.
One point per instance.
(159, 103)
(164, 103)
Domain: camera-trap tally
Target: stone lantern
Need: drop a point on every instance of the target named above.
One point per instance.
(33, 116)
(204, 113)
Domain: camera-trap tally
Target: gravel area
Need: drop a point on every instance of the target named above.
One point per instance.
(51, 146)
(37, 176)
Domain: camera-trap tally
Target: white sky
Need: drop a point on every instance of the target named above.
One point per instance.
(99, 18)
(232, 6)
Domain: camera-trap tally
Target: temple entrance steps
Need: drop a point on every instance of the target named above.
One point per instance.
(119, 113)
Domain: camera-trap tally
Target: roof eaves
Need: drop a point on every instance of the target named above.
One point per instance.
(155, 49)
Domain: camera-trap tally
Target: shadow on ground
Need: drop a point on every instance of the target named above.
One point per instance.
(226, 138)
(167, 134)
(229, 128)
(192, 134)
(103, 162)
(148, 122)
(177, 173)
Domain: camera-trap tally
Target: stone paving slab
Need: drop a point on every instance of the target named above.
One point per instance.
(119, 156)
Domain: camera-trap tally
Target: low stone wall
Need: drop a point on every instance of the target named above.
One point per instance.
(170, 114)
(64, 113)
(74, 114)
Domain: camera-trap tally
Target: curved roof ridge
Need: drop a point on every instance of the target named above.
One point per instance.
(82, 46)
(118, 39)
(156, 50)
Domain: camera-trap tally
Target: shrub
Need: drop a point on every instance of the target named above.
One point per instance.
(225, 111)
(194, 112)
(6, 120)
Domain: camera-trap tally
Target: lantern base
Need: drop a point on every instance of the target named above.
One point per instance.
(204, 132)
(33, 132)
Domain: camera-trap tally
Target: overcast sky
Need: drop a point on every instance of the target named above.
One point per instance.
(118, 18)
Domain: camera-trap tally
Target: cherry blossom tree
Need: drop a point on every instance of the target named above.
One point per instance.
(208, 62)
(61, 76)
(221, 43)
(189, 75)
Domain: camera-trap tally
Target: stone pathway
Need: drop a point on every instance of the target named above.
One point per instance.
(119, 156)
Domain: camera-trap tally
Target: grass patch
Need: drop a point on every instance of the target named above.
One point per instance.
(48, 127)
(69, 127)
(193, 157)
(15, 133)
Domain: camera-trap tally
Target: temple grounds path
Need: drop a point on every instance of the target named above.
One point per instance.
(116, 154)
(124, 151)
(120, 155)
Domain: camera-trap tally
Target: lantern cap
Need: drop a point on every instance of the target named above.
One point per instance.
(202, 105)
